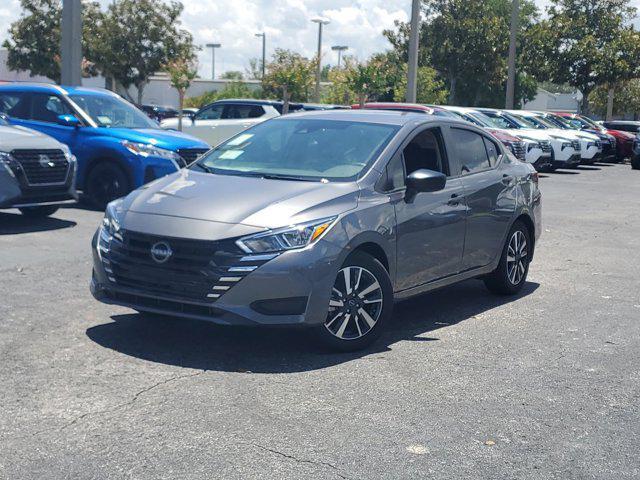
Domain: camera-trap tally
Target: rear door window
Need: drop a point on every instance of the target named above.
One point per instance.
(236, 111)
(14, 104)
(471, 150)
(492, 151)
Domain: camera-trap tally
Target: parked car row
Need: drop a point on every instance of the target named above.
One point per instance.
(111, 147)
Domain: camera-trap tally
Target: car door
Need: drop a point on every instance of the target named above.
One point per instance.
(205, 124)
(490, 193)
(431, 225)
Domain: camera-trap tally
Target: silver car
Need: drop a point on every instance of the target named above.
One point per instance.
(322, 219)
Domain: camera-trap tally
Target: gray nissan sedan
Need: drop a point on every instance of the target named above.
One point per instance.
(322, 219)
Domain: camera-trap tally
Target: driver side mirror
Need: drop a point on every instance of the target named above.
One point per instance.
(424, 180)
(68, 121)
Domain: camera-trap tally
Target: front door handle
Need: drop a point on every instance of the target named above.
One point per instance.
(454, 201)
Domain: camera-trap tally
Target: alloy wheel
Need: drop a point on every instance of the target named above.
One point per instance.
(517, 257)
(355, 305)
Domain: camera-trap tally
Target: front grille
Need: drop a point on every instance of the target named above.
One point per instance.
(191, 154)
(196, 270)
(519, 150)
(41, 167)
(545, 146)
(576, 145)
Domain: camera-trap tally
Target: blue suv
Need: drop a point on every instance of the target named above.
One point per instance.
(117, 146)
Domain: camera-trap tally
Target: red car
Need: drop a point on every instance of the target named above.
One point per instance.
(513, 144)
(624, 140)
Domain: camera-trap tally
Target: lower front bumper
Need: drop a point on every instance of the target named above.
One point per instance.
(572, 161)
(291, 289)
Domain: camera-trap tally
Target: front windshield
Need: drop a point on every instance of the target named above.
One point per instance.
(110, 111)
(559, 122)
(481, 119)
(586, 122)
(500, 121)
(522, 122)
(305, 149)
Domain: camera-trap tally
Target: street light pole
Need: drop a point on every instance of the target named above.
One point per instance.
(320, 22)
(412, 68)
(264, 51)
(213, 47)
(71, 43)
(511, 77)
(339, 49)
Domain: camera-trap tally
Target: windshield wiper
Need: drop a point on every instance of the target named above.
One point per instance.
(204, 167)
(287, 177)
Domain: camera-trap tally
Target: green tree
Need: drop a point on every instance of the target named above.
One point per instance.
(34, 39)
(291, 74)
(585, 44)
(466, 42)
(365, 79)
(232, 75)
(626, 98)
(137, 38)
(430, 88)
(181, 72)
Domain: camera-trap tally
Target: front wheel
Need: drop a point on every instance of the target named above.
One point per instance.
(635, 162)
(361, 304)
(106, 182)
(38, 212)
(511, 274)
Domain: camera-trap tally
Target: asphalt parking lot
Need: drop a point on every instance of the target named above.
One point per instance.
(464, 385)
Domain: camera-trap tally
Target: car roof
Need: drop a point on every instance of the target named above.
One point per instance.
(623, 122)
(416, 107)
(51, 88)
(388, 117)
(246, 101)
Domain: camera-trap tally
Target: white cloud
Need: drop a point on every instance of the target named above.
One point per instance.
(233, 23)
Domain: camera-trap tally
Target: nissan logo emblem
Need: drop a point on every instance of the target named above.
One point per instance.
(161, 252)
(45, 161)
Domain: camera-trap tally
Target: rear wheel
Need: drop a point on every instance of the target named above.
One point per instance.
(38, 212)
(105, 182)
(513, 268)
(361, 304)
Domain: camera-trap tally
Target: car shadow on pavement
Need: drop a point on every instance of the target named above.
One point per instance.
(206, 346)
(15, 223)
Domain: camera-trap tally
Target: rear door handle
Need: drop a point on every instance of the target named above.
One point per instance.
(507, 179)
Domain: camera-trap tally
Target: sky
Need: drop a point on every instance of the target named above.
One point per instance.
(287, 23)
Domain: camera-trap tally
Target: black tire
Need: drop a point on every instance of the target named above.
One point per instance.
(635, 162)
(503, 280)
(38, 212)
(106, 182)
(377, 305)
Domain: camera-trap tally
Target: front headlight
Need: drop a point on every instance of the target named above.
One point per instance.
(148, 150)
(112, 217)
(5, 158)
(287, 238)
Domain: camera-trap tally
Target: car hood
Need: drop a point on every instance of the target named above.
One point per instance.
(169, 139)
(236, 200)
(13, 137)
(529, 133)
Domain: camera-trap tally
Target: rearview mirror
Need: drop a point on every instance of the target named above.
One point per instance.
(424, 180)
(68, 120)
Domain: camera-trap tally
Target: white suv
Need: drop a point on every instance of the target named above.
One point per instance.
(565, 150)
(219, 121)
